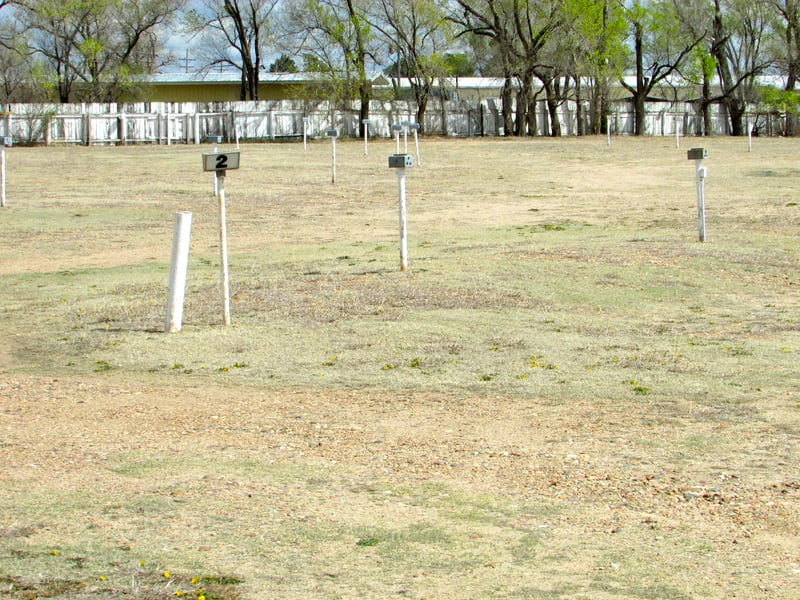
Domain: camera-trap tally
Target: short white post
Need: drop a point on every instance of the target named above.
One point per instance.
(701, 173)
(305, 128)
(177, 271)
(405, 125)
(365, 124)
(749, 136)
(87, 124)
(168, 123)
(677, 135)
(2, 175)
(123, 125)
(333, 159)
(5, 141)
(608, 131)
(697, 155)
(196, 127)
(223, 248)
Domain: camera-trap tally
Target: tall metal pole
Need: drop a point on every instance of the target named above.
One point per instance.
(401, 187)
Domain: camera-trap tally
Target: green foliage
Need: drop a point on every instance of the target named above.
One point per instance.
(772, 99)
(460, 64)
(283, 64)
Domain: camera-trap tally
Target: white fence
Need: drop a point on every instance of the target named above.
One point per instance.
(190, 123)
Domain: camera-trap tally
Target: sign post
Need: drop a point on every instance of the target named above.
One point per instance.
(697, 155)
(415, 128)
(216, 140)
(405, 125)
(333, 134)
(305, 134)
(219, 162)
(397, 129)
(400, 162)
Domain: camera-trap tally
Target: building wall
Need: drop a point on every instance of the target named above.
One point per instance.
(216, 92)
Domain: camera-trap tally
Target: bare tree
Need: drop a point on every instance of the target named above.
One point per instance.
(488, 19)
(738, 47)
(235, 33)
(659, 51)
(786, 49)
(338, 38)
(520, 29)
(96, 48)
(733, 48)
(420, 33)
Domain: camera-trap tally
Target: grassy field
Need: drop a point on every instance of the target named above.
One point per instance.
(566, 396)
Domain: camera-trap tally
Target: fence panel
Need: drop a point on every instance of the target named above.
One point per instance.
(187, 122)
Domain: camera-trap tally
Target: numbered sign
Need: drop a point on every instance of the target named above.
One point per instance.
(220, 161)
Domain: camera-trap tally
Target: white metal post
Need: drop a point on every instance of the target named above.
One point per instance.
(168, 120)
(2, 175)
(196, 127)
(397, 138)
(177, 271)
(608, 131)
(677, 135)
(123, 124)
(333, 156)
(223, 248)
(216, 179)
(405, 138)
(305, 127)
(700, 176)
(365, 123)
(401, 187)
(416, 144)
(749, 136)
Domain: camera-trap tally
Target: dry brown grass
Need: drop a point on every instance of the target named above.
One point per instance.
(567, 396)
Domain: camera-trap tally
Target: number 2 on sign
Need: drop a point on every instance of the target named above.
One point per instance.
(222, 162)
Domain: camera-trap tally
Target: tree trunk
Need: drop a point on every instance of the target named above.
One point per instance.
(363, 112)
(552, 104)
(422, 105)
(639, 115)
(639, 97)
(705, 106)
(736, 110)
(532, 125)
(522, 110)
(578, 107)
(508, 106)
